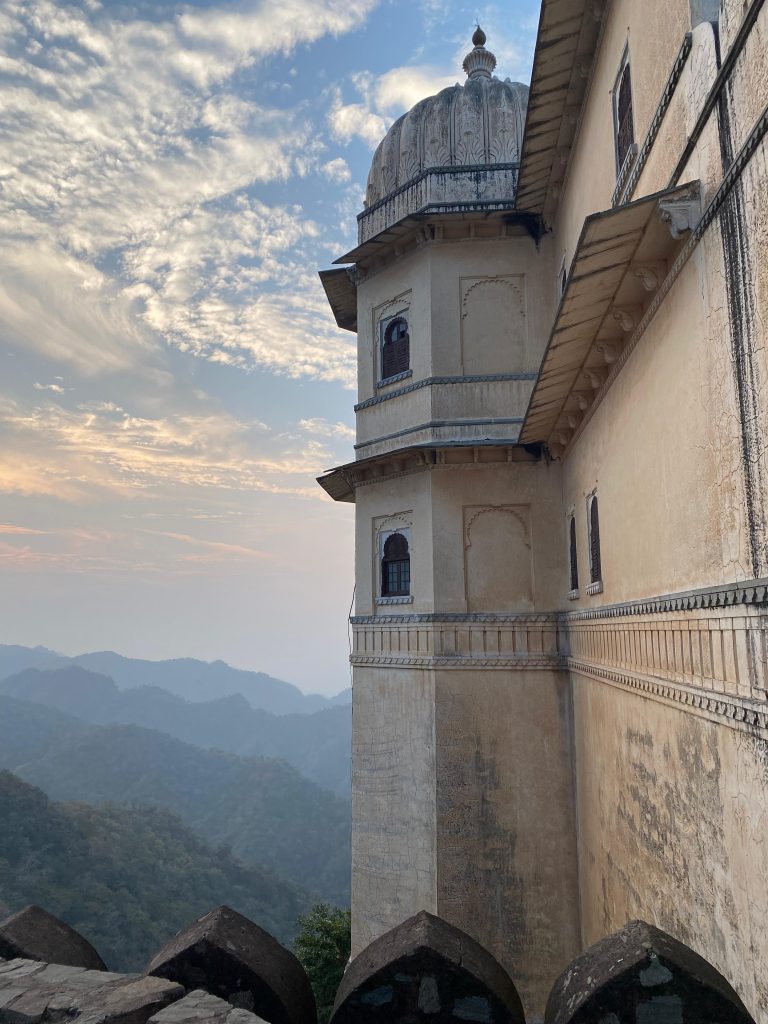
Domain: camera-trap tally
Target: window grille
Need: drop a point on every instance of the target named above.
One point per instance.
(594, 542)
(574, 556)
(395, 567)
(625, 130)
(395, 350)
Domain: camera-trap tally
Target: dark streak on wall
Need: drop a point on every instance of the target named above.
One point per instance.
(739, 277)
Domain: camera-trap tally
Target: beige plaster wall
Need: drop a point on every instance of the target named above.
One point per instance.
(659, 454)
(457, 514)
(390, 505)
(394, 835)
(405, 283)
(654, 31)
(673, 818)
(512, 508)
(475, 306)
(506, 852)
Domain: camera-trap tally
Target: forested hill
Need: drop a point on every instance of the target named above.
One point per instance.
(318, 745)
(127, 879)
(264, 810)
(186, 677)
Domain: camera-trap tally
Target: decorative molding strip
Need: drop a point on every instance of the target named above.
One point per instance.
(386, 381)
(737, 712)
(394, 600)
(483, 378)
(520, 661)
(625, 195)
(734, 172)
(432, 618)
(748, 592)
(435, 424)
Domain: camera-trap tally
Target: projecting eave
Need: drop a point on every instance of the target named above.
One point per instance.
(617, 274)
(566, 44)
(341, 292)
(340, 483)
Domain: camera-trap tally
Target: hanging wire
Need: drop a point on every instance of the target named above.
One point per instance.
(349, 630)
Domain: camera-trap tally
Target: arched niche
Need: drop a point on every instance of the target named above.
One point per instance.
(494, 332)
(426, 970)
(497, 558)
(641, 975)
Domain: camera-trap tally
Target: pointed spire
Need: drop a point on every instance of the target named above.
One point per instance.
(479, 63)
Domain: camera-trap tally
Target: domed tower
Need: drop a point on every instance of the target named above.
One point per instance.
(462, 787)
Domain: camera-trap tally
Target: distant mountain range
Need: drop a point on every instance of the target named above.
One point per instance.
(318, 745)
(126, 878)
(186, 677)
(272, 789)
(268, 814)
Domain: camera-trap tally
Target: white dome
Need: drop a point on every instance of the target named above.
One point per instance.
(478, 124)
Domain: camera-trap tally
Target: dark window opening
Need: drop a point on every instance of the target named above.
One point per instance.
(395, 350)
(396, 567)
(625, 132)
(594, 542)
(574, 557)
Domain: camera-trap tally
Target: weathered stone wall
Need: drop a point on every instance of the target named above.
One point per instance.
(506, 851)
(394, 835)
(670, 705)
(673, 814)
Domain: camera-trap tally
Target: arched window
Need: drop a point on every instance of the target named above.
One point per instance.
(573, 554)
(395, 348)
(595, 569)
(624, 122)
(395, 567)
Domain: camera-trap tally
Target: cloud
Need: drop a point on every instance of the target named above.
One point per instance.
(322, 428)
(380, 99)
(129, 163)
(56, 388)
(99, 449)
(337, 170)
(20, 531)
(215, 550)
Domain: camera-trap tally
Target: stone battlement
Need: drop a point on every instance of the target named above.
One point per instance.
(224, 969)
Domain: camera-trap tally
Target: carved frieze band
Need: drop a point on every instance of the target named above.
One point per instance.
(458, 641)
(737, 712)
(704, 651)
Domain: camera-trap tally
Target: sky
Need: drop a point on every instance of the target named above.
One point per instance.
(172, 176)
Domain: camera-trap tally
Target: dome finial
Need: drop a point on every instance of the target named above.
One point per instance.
(479, 63)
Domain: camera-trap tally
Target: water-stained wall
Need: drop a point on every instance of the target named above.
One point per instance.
(673, 819)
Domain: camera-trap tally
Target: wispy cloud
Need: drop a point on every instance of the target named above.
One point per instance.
(322, 428)
(100, 448)
(128, 165)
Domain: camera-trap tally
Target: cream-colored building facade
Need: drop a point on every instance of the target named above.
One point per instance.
(560, 714)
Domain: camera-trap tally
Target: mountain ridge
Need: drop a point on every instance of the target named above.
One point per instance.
(190, 678)
(126, 878)
(318, 745)
(269, 815)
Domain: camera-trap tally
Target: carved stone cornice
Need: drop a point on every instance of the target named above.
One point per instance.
(749, 592)
(520, 662)
(738, 712)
